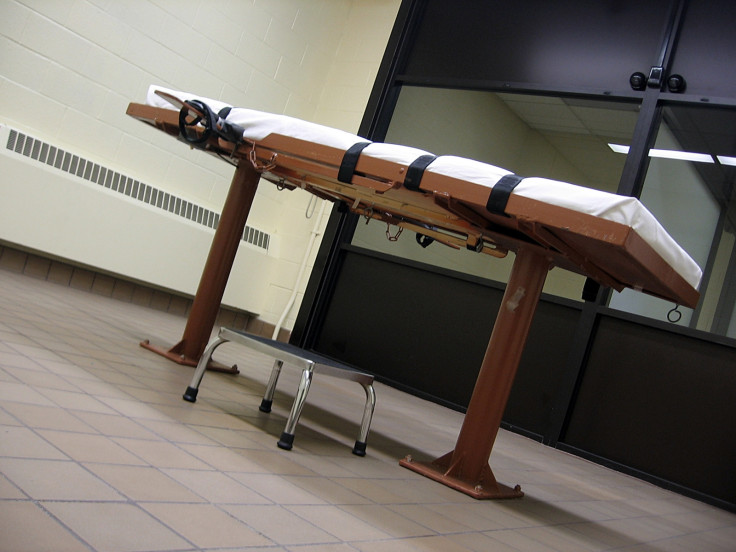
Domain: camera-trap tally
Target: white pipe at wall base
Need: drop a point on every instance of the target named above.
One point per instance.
(290, 303)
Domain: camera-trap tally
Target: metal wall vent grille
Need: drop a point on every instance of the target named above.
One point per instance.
(73, 164)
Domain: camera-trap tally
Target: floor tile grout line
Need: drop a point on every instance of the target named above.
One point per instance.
(108, 344)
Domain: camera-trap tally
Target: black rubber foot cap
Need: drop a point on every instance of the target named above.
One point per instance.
(286, 441)
(359, 448)
(191, 394)
(265, 405)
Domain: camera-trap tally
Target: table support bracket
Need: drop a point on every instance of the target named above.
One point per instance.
(466, 468)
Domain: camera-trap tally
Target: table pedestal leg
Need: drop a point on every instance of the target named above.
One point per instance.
(216, 272)
(466, 468)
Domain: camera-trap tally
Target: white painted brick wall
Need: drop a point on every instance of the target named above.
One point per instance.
(68, 69)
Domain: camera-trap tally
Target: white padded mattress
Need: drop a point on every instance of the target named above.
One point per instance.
(629, 211)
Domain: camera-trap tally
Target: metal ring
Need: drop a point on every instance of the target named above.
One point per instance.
(674, 315)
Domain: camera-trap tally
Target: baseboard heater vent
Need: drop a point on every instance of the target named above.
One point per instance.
(73, 164)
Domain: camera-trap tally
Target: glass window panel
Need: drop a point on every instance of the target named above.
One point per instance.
(553, 137)
(693, 198)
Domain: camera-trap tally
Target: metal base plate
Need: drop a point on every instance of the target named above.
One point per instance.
(481, 490)
(173, 355)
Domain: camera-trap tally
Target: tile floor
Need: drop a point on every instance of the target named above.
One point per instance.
(99, 452)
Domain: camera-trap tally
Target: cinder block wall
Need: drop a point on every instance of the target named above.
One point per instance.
(69, 68)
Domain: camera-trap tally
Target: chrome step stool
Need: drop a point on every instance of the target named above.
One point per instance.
(309, 363)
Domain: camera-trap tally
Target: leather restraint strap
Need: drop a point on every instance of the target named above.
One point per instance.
(229, 131)
(187, 122)
(210, 121)
(416, 170)
(500, 194)
(350, 161)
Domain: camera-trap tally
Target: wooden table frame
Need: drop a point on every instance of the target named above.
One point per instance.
(454, 213)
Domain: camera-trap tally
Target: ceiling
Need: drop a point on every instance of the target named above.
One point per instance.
(580, 131)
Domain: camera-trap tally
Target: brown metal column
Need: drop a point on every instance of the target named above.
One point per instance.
(466, 468)
(216, 270)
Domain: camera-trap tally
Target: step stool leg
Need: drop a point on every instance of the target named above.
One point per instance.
(271, 387)
(365, 424)
(191, 393)
(287, 437)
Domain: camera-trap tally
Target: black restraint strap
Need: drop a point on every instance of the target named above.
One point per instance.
(349, 161)
(424, 241)
(227, 130)
(500, 194)
(210, 121)
(188, 123)
(416, 170)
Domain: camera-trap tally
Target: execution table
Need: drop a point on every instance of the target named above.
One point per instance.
(459, 202)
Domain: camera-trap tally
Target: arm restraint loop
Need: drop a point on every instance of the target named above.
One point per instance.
(187, 122)
(210, 121)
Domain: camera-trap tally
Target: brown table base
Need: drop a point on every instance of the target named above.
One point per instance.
(486, 487)
(466, 468)
(174, 354)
